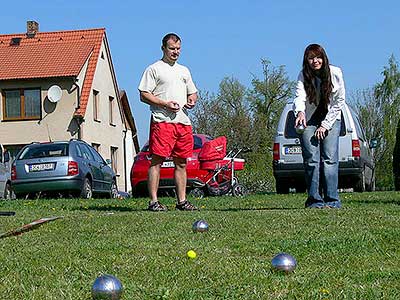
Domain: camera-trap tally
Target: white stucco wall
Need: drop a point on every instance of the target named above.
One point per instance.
(100, 131)
(130, 155)
(55, 120)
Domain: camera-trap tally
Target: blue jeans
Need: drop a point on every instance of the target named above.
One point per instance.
(321, 163)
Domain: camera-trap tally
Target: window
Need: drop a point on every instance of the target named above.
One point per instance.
(96, 146)
(22, 104)
(114, 159)
(97, 156)
(85, 152)
(13, 150)
(96, 102)
(357, 124)
(45, 150)
(111, 110)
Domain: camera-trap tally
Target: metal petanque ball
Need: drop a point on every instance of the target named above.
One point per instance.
(300, 129)
(200, 226)
(107, 287)
(284, 262)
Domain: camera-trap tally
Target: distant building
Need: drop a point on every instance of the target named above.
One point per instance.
(90, 107)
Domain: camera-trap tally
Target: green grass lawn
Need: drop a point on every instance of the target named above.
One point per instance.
(352, 253)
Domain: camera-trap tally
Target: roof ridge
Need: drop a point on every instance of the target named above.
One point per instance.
(55, 32)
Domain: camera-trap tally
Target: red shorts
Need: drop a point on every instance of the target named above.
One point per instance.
(171, 139)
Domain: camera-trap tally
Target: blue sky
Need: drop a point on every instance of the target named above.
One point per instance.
(225, 38)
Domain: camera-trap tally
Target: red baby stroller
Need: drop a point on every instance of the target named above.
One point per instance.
(219, 170)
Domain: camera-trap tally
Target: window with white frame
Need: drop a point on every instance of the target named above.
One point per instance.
(96, 105)
(111, 109)
(114, 159)
(96, 146)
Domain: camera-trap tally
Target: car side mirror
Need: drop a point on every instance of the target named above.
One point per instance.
(108, 161)
(373, 143)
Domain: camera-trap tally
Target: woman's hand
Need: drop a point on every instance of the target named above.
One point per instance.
(300, 120)
(321, 133)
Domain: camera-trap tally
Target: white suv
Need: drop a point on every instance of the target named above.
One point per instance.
(356, 166)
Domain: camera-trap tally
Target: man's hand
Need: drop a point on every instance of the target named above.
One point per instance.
(172, 105)
(191, 101)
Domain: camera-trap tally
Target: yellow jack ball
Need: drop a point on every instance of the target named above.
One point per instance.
(191, 254)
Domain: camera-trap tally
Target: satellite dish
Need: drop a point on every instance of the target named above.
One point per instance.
(54, 93)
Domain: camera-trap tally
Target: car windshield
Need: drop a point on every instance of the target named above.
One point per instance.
(44, 150)
(197, 142)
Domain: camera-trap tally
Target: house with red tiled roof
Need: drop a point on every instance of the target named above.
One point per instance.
(84, 101)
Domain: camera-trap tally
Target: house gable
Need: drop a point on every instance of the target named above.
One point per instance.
(79, 62)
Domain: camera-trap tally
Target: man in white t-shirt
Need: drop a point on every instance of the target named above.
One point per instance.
(169, 90)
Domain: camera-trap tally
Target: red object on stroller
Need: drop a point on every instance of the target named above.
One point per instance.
(214, 149)
(220, 179)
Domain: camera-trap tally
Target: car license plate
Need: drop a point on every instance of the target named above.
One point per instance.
(41, 167)
(168, 164)
(293, 150)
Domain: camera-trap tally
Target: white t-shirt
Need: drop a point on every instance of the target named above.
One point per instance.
(168, 83)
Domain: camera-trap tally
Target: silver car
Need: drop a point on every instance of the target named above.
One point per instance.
(68, 167)
(356, 165)
(5, 177)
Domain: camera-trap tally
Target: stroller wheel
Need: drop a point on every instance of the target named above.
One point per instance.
(239, 190)
(197, 193)
(235, 181)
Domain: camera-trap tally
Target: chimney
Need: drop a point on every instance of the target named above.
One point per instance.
(32, 27)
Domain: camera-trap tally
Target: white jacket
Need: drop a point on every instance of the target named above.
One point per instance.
(337, 99)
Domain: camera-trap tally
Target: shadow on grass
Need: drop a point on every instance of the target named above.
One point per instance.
(255, 208)
(373, 201)
(110, 208)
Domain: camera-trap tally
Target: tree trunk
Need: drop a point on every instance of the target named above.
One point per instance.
(396, 159)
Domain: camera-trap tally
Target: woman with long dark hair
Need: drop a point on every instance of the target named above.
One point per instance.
(320, 95)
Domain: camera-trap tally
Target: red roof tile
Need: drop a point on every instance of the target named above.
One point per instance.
(52, 54)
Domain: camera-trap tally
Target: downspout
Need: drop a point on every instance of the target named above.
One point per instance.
(79, 120)
(78, 98)
(126, 173)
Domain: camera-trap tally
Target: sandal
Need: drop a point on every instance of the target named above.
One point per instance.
(186, 205)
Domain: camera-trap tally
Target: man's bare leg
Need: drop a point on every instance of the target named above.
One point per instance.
(153, 178)
(180, 178)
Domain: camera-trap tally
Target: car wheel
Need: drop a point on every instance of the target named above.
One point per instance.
(371, 186)
(301, 189)
(21, 196)
(197, 193)
(8, 192)
(87, 191)
(282, 187)
(360, 184)
(239, 190)
(114, 190)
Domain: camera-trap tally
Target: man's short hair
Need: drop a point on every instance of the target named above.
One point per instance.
(170, 36)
